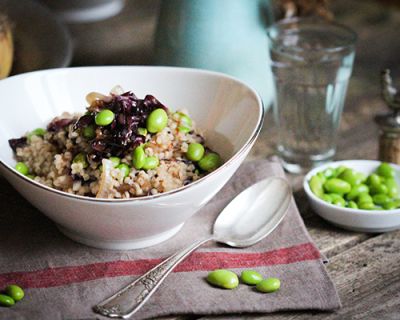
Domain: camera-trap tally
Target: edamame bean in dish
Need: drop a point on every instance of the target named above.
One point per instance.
(122, 147)
(346, 187)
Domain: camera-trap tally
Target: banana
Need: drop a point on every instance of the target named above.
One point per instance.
(6, 47)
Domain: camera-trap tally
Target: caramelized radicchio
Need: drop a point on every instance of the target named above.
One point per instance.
(17, 143)
(122, 134)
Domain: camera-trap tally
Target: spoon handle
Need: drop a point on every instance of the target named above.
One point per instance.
(130, 299)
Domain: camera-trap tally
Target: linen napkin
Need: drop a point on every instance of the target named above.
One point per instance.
(64, 280)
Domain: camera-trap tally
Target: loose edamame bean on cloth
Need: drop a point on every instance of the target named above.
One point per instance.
(269, 285)
(250, 277)
(6, 301)
(223, 279)
(15, 292)
(348, 188)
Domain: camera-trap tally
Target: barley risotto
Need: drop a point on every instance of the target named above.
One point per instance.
(122, 147)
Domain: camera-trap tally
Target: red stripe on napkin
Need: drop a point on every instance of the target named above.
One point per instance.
(198, 261)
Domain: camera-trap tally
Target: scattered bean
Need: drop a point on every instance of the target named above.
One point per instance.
(195, 152)
(210, 162)
(156, 121)
(124, 168)
(138, 158)
(22, 168)
(250, 277)
(115, 161)
(81, 158)
(104, 117)
(6, 301)
(89, 132)
(269, 285)
(150, 163)
(223, 278)
(15, 292)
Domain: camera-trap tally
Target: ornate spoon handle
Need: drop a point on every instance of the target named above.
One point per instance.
(130, 299)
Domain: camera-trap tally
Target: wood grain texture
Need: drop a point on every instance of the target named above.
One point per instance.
(367, 277)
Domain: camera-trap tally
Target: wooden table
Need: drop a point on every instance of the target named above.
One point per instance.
(364, 267)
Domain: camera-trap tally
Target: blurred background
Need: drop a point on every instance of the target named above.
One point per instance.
(119, 32)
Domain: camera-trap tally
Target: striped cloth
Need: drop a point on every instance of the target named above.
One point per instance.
(64, 280)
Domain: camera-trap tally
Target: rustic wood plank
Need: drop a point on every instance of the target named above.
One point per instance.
(368, 281)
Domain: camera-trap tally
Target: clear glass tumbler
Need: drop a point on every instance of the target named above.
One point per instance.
(311, 61)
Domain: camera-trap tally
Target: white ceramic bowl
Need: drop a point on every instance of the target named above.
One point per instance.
(229, 112)
(354, 219)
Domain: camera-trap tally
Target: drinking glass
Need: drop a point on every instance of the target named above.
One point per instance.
(311, 61)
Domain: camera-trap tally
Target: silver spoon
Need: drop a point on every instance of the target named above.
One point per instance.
(247, 219)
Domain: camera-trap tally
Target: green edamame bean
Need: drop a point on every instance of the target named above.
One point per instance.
(339, 170)
(142, 131)
(373, 180)
(329, 173)
(15, 292)
(104, 117)
(336, 185)
(392, 205)
(30, 176)
(156, 121)
(150, 163)
(124, 168)
(6, 301)
(195, 152)
(364, 198)
(39, 132)
(89, 132)
(367, 206)
(393, 188)
(138, 158)
(352, 177)
(115, 161)
(223, 278)
(380, 188)
(269, 285)
(327, 198)
(352, 205)
(210, 162)
(185, 120)
(322, 177)
(339, 202)
(316, 186)
(385, 170)
(185, 123)
(22, 168)
(184, 129)
(356, 190)
(250, 277)
(81, 158)
(380, 199)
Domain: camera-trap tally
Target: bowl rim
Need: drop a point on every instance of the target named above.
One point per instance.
(358, 212)
(226, 164)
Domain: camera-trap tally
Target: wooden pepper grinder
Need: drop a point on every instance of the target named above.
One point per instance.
(389, 123)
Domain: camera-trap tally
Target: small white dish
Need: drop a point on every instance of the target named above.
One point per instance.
(354, 219)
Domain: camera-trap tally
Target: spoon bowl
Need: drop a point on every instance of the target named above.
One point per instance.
(253, 214)
(246, 220)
